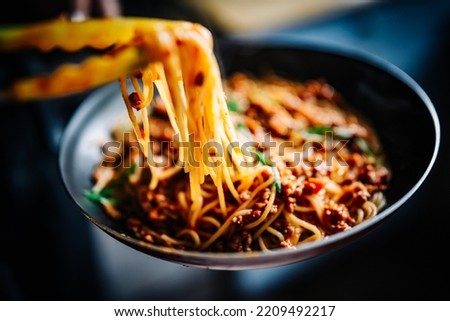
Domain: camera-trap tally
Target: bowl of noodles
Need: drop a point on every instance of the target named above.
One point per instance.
(313, 146)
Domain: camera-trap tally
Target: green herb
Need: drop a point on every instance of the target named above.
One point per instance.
(364, 146)
(108, 192)
(265, 161)
(319, 130)
(233, 106)
(261, 158)
(338, 132)
(93, 196)
(277, 181)
(123, 177)
(343, 134)
(97, 197)
(241, 126)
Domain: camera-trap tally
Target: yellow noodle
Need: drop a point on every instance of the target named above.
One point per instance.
(268, 223)
(266, 210)
(224, 227)
(273, 231)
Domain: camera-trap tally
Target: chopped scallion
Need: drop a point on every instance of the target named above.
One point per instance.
(233, 106)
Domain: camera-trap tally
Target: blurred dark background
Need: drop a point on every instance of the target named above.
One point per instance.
(50, 251)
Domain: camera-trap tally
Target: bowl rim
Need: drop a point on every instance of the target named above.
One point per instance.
(238, 261)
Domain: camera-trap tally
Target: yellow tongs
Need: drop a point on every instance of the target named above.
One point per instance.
(123, 43)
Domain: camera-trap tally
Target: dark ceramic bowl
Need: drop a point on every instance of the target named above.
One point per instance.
(397, 107)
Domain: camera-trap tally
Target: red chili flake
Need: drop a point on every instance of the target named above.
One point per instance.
(199, 79)
(212, 151)
(138, 74)
(311, 188)
(135, 100)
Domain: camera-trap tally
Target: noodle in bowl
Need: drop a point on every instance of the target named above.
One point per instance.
(276, 214)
